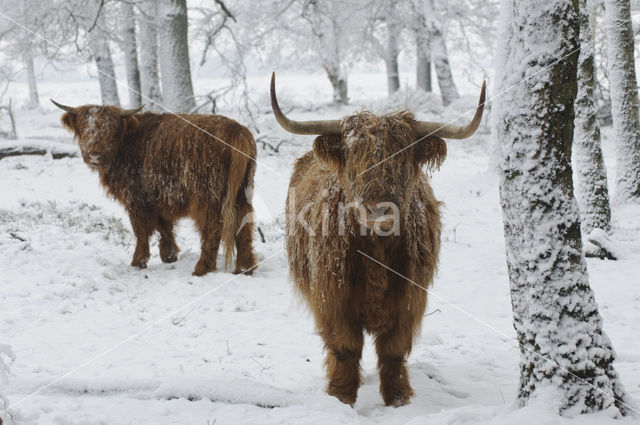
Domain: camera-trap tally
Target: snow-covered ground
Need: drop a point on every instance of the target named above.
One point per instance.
(104, 343)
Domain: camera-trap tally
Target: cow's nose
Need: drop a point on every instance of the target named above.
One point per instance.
(94, 158)
(375, 209)
(379, 215)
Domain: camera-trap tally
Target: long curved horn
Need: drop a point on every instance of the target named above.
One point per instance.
(69, 109)
(127, 112)
(447, 131)
(325, 127)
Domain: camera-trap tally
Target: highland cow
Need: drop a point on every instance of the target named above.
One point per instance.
(360, 264)
(163, 167)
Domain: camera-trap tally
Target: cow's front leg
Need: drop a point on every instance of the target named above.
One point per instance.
(344, 350)
(168, 247)
(393, 347)
(143, 225)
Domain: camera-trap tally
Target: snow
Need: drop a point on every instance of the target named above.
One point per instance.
(246, 351)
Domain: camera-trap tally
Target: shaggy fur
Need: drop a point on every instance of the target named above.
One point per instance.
(347, 292)
(163, 168)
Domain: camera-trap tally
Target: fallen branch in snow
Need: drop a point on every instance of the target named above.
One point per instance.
(14, 236)
(599, 245)
(56, 151)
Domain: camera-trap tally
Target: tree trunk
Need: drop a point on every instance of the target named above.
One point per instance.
(104, 63)
(130, 49)
(423, 47)
(175, 69)
(593, 194)
(34, 99)
(327, 34)
(440, 56)
(148, 40)
(423, 62)
(624, 99)
(339, 84)
(564, 351)
(391, 57)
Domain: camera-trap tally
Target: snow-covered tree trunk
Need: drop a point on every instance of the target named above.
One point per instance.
(564, 351)
(175, 70)
(130, 50)
(439, 55)
(104, 63)
(423, 48)
(34, 99)
(327, 33)
(391, 57)
(423, 62)
(593, 194)
(148, 41)
(624, 99)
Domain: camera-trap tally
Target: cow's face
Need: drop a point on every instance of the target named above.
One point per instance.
(377, 161)
(100, 131)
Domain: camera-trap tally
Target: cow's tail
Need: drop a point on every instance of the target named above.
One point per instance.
(237, 166)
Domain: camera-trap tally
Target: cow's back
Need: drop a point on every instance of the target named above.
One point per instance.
(185, 158)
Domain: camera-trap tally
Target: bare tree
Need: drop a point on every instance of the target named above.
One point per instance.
(148, 41)
(563, 348)
(326, 30)
(130, 50)
(423, 46)
(175, 69)
(624, 100)
(440, 56)
(592, 190)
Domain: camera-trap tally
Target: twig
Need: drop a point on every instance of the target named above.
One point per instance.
(20, 238)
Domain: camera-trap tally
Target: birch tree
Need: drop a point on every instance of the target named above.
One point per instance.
(175, 69)
(564, 351)
(624, 99)
(592, 190)
(423, 46)
(148, 42)
(95, 25)
(326, 29)
(130, 50)
(439, 54)
(385, 20)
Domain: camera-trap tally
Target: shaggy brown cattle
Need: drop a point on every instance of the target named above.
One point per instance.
(363, 237)
(163, 167)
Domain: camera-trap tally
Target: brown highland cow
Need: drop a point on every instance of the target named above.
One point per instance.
(163, 167)
(363, 237)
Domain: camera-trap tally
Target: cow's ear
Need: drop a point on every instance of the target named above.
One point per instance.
(331, 150)
(69, 121)
(129, 124)
(430, 152)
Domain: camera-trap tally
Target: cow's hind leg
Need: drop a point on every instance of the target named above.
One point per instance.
(245, 259)
(344, 350)
(168, 247)
(393, 347)
(210, 230)
(143, 224)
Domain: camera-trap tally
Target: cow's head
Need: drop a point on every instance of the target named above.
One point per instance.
(99, 130)
(377, 158)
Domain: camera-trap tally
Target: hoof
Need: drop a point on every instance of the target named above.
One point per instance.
(202, 268)
(247, 272)
(349, 398)
(170, 257)
(141, 264)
